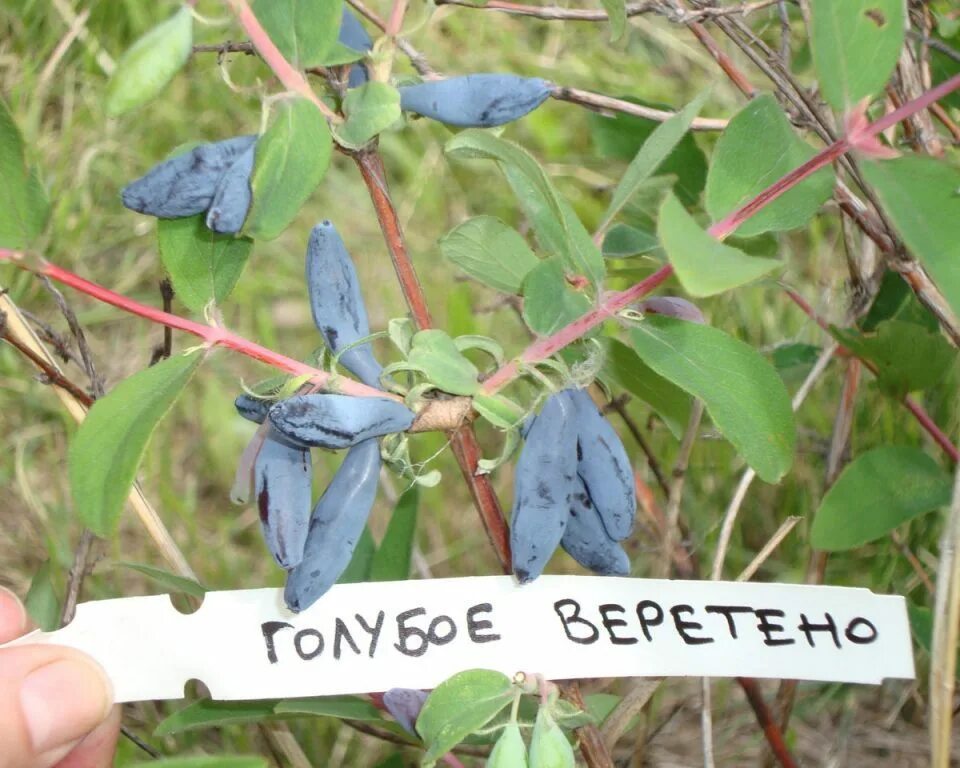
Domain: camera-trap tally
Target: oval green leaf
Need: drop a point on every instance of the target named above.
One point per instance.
(856, 45)
(436, 355)
(704, 265)
(203, 265)
(920, 196)
(291, 159)
(759, 147)
(740, 390)
(876, 493)
(391, 561)
(304, 31)
(107, 449)
(549, 301)
(459, 706)
(150, 63)
(371, 108)
(207, 713)
(490, 252)
(23, 202)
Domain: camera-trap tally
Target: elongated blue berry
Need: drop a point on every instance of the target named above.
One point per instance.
(405, 705)
(544, 481)
(185, 185)
(338, 421)
(353, 35)
(252, 408)
(283, 485)
(337, 304)
(231, 201)
(335, 526)
(475, 101)
(604, 467)
(587, 541)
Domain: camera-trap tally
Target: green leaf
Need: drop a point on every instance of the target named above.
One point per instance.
(856, 45)
(509, 751)
(704, 265)
(920, 195)
(459, 706)
(500, 411)
(490, 252)
(622, 137)
(654, 152)
(41, 602)
(392, 559)
(23, 202)
(549, 301)
(877, 492)
(371, 108)
(207, 713)
(908, 356)
(759, 147)
(346, 707)
(303, 30)
(623, 242)
(291, 159)
(741, 391)
(203, 265)
(150, 63)
(557, 226)
(617, 15)
(549, 748)
(436, 355)
(167, 580)
(786, 356)
(359, 568)
(895, 301)
(220, 761)
(626, 370)
(110, 443)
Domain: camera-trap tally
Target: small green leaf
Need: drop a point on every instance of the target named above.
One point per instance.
(41, 601)
(622, 137)
(436, 355)
(626, 370)
(392, 559)
(489, 251)
(549, 748)
(922, 198)
(786, 356)
(557, 226)
(908, 356)
(359, 568)
(617, 16)
(509, 751)
(623, 242)
(167, 580)
(500, 411)
(459, 706)
(304, 30)
(207, 713)
(549, 301)
(759, 147)
(704, 265)
(346, 707)
(654, 152)
(741, 391)
(110, 443)
(569, 716)
(220, 761)
(370, 109)
(856, 45)
(877, 492)
(23, 203)
(203, 265)
(291, 159)
(150, 63)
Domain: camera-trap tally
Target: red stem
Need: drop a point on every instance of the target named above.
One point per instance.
(770, 728)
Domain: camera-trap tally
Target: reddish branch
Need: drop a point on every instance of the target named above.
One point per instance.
(770, 728)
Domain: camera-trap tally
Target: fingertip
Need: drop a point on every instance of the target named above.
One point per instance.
(13, 616)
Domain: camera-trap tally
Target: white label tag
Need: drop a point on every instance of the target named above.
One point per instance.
(369, 637)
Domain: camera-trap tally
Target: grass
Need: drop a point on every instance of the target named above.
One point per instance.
(86, 159)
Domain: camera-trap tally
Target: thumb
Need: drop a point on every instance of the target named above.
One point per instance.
(50, 698)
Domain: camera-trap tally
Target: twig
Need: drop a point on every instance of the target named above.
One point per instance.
(770, 729)
(557, 13)
(96, 384)
(678, 478)
(946, 630)
(782, 532)
(733, 508)
(165, 349)
(417, 59)
(139, 743)
(617, 722)
(592, 746)
(52, 375)
(619, 405)
(684, 560)
(706, 723)
(600, 103)
(78, 572)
